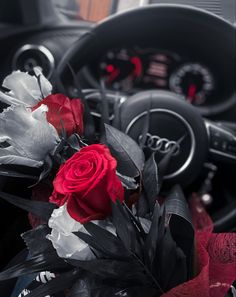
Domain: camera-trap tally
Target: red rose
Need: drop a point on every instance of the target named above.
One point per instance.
(64, 113)
(88, 182)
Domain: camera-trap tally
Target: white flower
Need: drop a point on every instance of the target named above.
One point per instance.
(67, 244)
(29, 136)
(25, 89)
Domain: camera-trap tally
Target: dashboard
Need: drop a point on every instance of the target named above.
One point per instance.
(199, 67)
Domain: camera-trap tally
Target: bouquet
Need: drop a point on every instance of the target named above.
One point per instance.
(103, 224)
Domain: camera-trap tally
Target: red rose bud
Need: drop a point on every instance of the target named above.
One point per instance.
(88, 182)
(64, 113)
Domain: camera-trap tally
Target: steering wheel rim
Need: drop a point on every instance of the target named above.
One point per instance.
(110, 32)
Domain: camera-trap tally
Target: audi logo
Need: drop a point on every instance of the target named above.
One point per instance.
(161, 145)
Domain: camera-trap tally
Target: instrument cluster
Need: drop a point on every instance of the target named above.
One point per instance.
(134, 69)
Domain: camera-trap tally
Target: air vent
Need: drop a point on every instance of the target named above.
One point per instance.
(29, 56)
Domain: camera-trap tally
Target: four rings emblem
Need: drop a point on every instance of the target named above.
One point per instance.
(161, 145)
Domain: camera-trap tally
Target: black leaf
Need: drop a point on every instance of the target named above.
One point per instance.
(12, 173)
(138, 292)
(129, 156)
(180, 274)
(56, 285)
(126, 230)
(112, 269)
(152, 238)
(180, 223)
(92, 287)
(42, 262)
(43, 210)
(74, 142)
(151, 181)
(47, 167)
(128, 182)
(167, 259)
(108, 243)
(36, 240)
(135, 221)
(142, 206)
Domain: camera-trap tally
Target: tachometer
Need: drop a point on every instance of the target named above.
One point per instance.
(193, 81)
(121, 69)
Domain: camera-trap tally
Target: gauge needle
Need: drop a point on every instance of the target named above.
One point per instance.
(191, 93)
(113, 75)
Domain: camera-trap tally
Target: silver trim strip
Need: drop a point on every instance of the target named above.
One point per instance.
(39, 48)
(187, 125)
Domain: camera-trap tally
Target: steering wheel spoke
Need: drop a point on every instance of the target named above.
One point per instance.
(222, 142)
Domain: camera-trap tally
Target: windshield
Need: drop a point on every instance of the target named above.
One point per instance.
(89, 10)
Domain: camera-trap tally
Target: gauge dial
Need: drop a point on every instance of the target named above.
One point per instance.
(194, 82)
(121, 69)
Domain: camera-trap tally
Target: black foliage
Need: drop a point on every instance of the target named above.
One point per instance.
(151, 181)
(129, 156)
(75, 142)
(152, 238)
(47, 167)
(128, 182)
(169, 261)
(181, 224)
(134, 258)
(56, 285)
(123, 259)
(128, 271)
(137, 292)
(13, 173)
(142, 207)
(41, 262)
(92, 287)
(104, 241)
(43, 210)
(20, 171)
(36, 240)
(126, 229)
(58, 153)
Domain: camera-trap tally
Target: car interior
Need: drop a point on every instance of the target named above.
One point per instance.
(174, 58)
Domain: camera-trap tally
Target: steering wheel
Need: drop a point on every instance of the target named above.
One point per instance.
(170, 117)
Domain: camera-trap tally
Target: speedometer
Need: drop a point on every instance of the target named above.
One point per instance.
(121, 69)
(193, 81)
